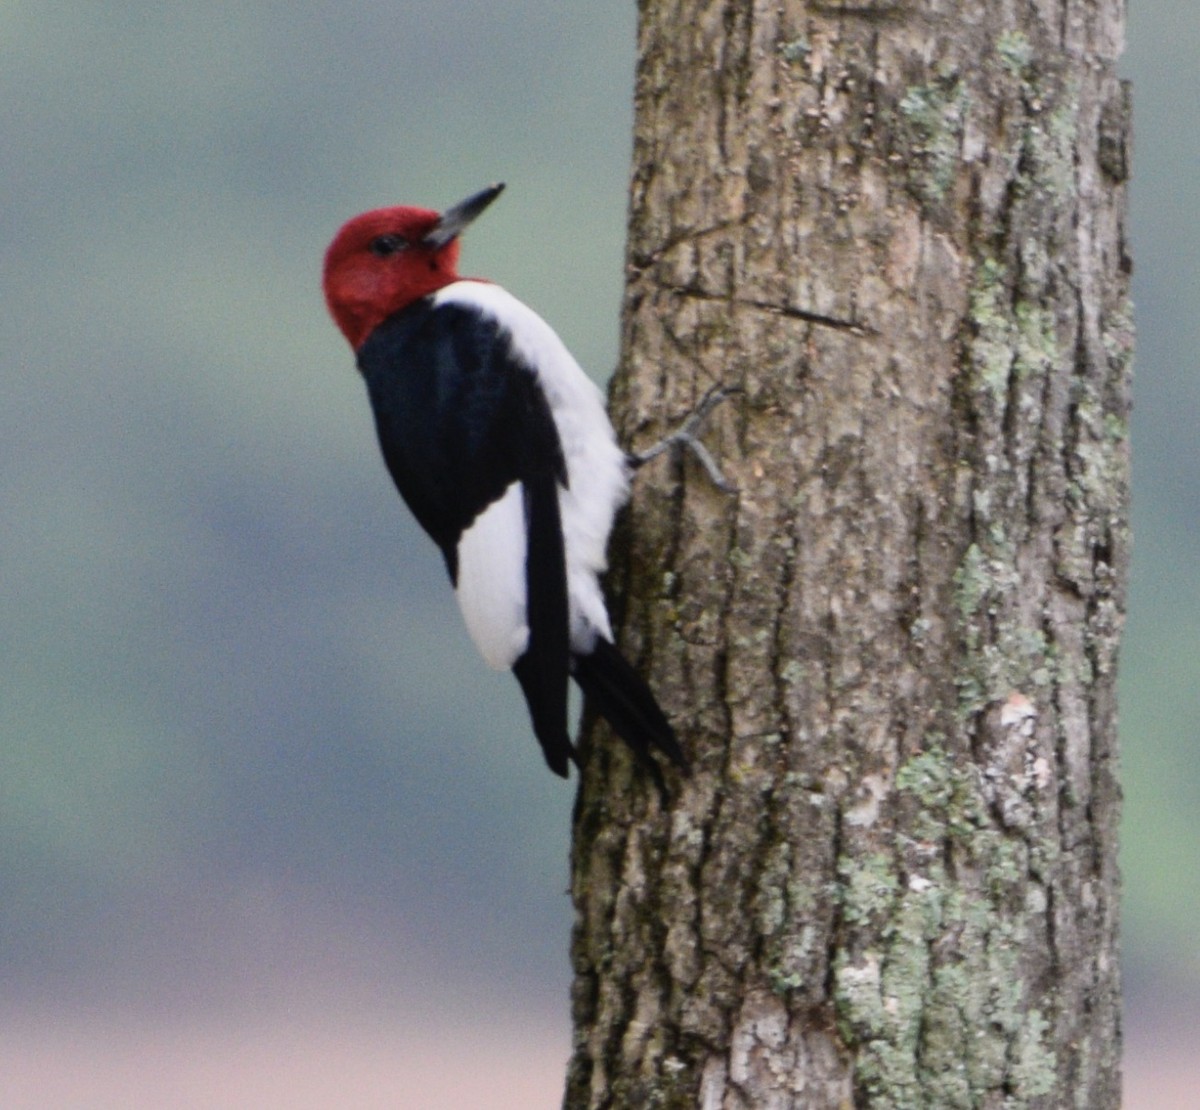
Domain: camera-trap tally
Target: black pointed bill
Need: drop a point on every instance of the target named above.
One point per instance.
(455, 220)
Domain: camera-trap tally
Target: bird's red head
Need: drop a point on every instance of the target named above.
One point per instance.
(385, 259)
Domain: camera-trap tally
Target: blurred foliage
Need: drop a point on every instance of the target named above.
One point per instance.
(1160, 676)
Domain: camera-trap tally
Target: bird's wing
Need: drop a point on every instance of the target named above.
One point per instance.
(442, 391)
(470, 441)
(543, 667)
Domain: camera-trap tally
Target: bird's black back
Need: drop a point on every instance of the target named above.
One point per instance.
(459, 417)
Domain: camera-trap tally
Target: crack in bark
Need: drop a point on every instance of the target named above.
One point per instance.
(790, 311)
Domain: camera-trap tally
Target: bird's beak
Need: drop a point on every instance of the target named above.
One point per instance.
(454, 220)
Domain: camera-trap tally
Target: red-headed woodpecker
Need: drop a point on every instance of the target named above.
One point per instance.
(500, 445)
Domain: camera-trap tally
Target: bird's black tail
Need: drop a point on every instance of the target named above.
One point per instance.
(621, 696)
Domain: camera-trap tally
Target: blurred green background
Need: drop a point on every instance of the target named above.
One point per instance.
(245, 744)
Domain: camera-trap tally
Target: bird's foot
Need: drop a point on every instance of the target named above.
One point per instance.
(686, 436)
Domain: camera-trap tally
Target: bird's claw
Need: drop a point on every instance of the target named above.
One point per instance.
(686, 436)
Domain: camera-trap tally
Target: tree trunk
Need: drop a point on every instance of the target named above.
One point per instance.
(891, 881)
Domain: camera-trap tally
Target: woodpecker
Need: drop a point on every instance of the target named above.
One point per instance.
(499, 444)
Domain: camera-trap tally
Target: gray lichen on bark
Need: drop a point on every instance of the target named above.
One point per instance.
(891, 880)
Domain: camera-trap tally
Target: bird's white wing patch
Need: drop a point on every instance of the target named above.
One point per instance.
(596, 470)
(491, 579)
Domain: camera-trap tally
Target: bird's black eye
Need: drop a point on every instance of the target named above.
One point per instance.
(384, 245)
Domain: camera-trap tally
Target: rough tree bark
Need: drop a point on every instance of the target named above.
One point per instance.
(899, 227)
